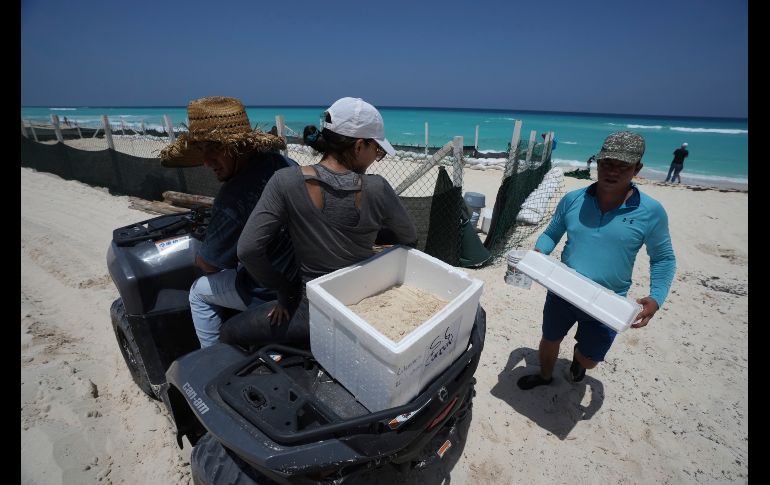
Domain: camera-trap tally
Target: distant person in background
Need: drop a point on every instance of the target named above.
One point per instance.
(606, 225)
(66, 121)
(590, 160)
(274, 130)
(677, 164)
(221, 138)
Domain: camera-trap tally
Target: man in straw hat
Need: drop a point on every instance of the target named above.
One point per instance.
(221, 138)
(606, 224)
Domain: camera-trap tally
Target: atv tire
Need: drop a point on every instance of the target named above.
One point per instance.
(129, 348)
(212, 464)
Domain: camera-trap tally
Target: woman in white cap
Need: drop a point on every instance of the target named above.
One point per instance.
(333, 211)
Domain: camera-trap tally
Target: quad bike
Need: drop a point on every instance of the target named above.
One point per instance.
(272, 414)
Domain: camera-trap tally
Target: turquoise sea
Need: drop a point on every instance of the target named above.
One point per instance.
(718, 146)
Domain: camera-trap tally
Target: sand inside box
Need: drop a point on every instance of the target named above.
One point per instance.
(398, 310)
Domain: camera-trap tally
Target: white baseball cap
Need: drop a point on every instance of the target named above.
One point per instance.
(684, 144)
(356, 118)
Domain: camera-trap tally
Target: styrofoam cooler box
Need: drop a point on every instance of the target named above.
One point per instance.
(611, 309)
(381, 373)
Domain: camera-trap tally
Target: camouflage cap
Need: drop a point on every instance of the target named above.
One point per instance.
(624, 146)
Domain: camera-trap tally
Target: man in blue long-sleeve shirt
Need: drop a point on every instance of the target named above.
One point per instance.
(606, 225)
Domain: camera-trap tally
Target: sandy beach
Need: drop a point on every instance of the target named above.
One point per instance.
(669, 405)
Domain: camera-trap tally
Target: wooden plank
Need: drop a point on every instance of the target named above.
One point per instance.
(154, 206)
(169, 127)
(57, 128)
(512, 166)
(531, 146)
(424, 168)
(107, 132)
(32, 129)
(457, 167)
(180, 199)
(280, 126)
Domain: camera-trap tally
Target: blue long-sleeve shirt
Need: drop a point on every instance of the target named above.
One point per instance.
(603, 247)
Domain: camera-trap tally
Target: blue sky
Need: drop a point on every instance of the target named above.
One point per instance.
(687, 58)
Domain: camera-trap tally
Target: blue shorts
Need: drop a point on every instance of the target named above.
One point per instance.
(593, 337)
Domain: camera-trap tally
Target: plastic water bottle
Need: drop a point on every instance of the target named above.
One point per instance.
(512, 275)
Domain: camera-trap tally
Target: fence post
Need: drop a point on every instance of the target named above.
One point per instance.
(122, 126)
(56, 127)
(546, 146)
(169, 128)
(143, 133)
(80, 133)
(476, 143)
(279, 125)
(426, 138)
(551, 136)
(512, 166)
(457, 169)
(107, 132)
(23, 129)
(531, 146)
(32, 129)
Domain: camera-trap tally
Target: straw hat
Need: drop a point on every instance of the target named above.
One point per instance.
(219, 119)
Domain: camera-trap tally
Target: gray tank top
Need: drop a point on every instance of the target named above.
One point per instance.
(339, 194)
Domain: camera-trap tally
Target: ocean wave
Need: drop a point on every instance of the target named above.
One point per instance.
(568, 142)
(63, 109)
(568, 163)
(646, 127)
(407, 133)
(725, 131)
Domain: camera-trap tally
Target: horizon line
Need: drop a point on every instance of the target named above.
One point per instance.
(436, 108)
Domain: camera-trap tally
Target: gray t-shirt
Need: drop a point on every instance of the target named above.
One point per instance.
(322, 244)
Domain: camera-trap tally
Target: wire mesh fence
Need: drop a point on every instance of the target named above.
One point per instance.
(525, 202)
(422, 182)
(428, 181)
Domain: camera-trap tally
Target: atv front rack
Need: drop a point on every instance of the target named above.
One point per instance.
(295, 400)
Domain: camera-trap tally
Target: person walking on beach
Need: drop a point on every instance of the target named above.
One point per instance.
(334, 212)
(606, 224)
(590, 160)
(220, 137)
(677, 164)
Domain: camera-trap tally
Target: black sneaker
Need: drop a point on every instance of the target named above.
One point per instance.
(576, 371)
(533, 380)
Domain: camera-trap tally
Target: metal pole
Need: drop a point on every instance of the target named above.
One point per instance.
(476, 143)
(23, 129)
(426, 138)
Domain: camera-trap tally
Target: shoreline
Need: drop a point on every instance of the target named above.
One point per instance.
(689, 181)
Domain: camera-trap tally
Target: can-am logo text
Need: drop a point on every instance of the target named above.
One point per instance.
(196, 401)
